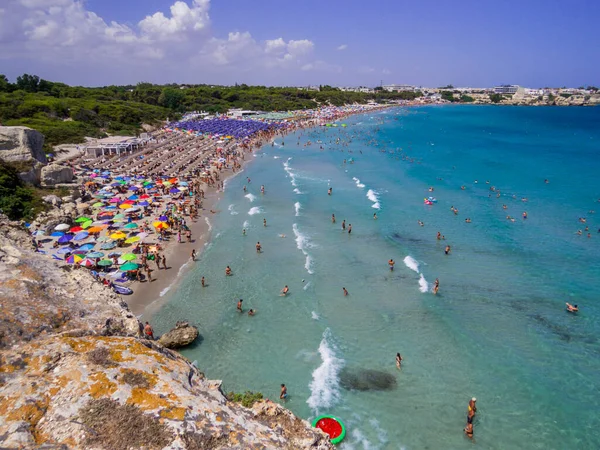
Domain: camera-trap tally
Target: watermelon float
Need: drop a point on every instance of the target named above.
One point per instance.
(332, 426)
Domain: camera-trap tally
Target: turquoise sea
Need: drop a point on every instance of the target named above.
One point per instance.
(497, 329)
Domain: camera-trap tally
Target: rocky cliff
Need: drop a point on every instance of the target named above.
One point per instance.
(76, 373)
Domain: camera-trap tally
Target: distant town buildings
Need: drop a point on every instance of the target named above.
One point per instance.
(506, 89)
(399, 88)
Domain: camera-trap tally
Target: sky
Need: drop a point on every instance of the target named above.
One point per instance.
(483, 43)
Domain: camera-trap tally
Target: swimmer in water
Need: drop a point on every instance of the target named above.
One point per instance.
(420, 223)
(228, 271)
(468, 220)
(436, 286)
(282, 235)
(398, 361)
(258, 247)
(239, 305)
(244, 188)
(439, 236)
(243, 231)
(447, 250)
(391, 263)
(264, 222)
(333, 218)
(572, 308)
(203, 282)
(329, 191)
(345, 291)
(524, 214)
(374, 216)
(251, 312)
(285, 291)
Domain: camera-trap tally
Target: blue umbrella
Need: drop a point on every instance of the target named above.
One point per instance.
(86, 247)
(64, 239)
(95, 255)
(57, 234)
(81, 236)
(64, 250)
(133, 188)
(133, 197)
(108, 245)
(183, 183)
(174, 191)
(144, 203)
(163, 218)
(106, 172)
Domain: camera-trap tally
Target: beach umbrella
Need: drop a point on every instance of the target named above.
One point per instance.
(144, 196)
(108, 245)
(133, 188)
(133, 197)
(117, 254)
(174, 191)
(125, 206)
(129, 266)
(105, 262)
(38, 233)
(97, 205)
(95, 255)
(82, 219)
(64, 239)
(96, 228)
(119, 216)
(144, 203)
(114, 200)
(163, 219)
(86, 262)
(131, 226)
(77, 252)
(62, 251)
(132, 240)
(81, 236)
(128, 257)
(74, 259)
(86, 247)
(118, 235)
(87, 224)
(183, 183)
(161, 225)
(76, 229)
(62, 227)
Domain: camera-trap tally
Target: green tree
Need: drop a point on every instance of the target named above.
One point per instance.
(496, 98)
(29, 83)
(171, 98)
(4, 84)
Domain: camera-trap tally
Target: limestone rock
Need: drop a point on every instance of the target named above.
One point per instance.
(183, 334)
(54, 174)
(52, 199)
(21, 144)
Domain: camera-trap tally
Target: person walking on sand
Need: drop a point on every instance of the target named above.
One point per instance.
(283, 394)
(179, 237)
(148, 332)
(157, 260)
(398, 361)
(164, 261)
(239, 305)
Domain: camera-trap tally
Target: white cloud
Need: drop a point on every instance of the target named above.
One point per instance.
(342, 47)
(63, 37)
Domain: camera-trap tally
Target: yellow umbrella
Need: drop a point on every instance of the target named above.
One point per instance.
(125, 206)
(161, 225)
(118, 235)
(87, 224)
(133, 239)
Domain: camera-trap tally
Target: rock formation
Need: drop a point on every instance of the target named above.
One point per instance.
(75, 372)
(55, 174)
(183, 334)
(21, 144)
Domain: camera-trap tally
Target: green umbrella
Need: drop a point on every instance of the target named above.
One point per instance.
(129, 266)
(119, 216)
(128, 257)
(105, 262)
(88, 223)
(97, 205)
(82, 219)
(131, 226)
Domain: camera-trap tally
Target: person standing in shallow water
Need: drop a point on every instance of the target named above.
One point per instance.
(398, 361)
(344, 224)
(283, 394)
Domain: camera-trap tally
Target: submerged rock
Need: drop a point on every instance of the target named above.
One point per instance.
(367, 380)
(183, 334)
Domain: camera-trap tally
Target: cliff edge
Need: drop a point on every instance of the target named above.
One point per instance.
(75, 372)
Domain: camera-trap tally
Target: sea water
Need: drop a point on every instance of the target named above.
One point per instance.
(497, 329)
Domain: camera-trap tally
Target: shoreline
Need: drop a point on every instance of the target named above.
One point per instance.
(148, 297)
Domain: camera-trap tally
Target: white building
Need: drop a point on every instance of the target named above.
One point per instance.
(399, 88)
(238, 113)
(506, 89)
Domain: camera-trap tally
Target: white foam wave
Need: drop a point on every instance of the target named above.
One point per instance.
(306, 286)
(275, 157)
(297, 206)
(297, 191)
(208, 223)
(232, 211)
(246, 224)
(324, 387)
(308, 265)
(411, 263)
(302, 243)
(372, 195)
(423, 284)
(250, 197)
(164, 291)
(290, 172)
(255, 210)
(314, 315)
(358, 183)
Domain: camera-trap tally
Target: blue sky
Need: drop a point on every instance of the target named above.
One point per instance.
(431, 43)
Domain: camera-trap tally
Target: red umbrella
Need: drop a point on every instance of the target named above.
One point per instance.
(76, 229)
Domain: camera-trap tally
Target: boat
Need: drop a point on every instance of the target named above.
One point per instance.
(332, 426)
(123, 290)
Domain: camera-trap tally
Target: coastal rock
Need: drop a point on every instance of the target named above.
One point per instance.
(54, 174)
(21, 144)
(183, 334)
(52, 199)
(75, 373)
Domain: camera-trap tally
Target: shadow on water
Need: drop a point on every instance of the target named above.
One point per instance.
(366, 380)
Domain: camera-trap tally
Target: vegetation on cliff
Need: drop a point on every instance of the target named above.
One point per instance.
(66, 114)
(17, 200)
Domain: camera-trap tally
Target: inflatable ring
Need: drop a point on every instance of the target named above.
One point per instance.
(332, 426)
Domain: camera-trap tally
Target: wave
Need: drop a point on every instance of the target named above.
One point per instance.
(297, 191)
(372, 195)
(290, 172)
(306, 286)
(164, 291)
(255, 210)
(302, 243)
(297, 206)
(314, 315)
(246, 224)
(324, 387)
(358, 183)
(232, 211)
(208, 223)
(276, 157)
(250, 197)
(411, 263)
(423, 284)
